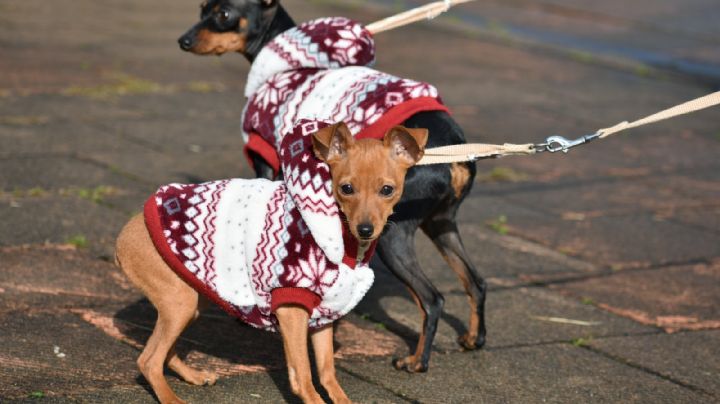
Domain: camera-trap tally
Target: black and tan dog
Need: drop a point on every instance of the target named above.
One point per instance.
(432, 196)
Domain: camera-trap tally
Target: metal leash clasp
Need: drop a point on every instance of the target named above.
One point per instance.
(558, 143)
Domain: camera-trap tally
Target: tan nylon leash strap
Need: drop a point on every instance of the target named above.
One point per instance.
(685, 108)
(476, 151)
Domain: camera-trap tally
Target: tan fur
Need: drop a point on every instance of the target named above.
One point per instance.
(388, 160)
(218, 43)
(369, 164)
(459, 176)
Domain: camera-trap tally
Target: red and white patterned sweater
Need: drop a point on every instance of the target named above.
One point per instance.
(318, 71)
(245, 245)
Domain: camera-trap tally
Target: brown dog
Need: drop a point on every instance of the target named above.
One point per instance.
(368, 178)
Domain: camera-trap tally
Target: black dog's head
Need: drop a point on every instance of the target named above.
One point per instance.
(230, 26)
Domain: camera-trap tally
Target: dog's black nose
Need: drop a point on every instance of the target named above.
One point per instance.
(185, 42)
(365, 230)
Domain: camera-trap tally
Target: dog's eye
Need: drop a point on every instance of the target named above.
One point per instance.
(224, 15)
(387, 190)
(347, 189)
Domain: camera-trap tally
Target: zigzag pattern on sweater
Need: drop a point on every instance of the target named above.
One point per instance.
(307, 77)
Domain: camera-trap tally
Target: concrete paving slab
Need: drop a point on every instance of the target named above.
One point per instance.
(54, 173)
(688, 357)
(61, 220)
(549, 373)
(30, 361)
(637, 240)
(674, 298)
(514, 317)
(659, 194)
(503, 260)
(58, 276)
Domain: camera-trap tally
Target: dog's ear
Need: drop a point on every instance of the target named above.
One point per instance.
(332, 142)
(406, 145)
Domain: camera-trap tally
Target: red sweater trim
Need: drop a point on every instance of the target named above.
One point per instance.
(155, 229)
(395, 116)
(267, 151)
(398, 114)
(302, 297)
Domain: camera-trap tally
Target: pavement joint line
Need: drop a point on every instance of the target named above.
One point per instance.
(79, 157)
(24, 289)
(694, 226)
(570, 183)
(568, 342)
(604, 272)
(629, 363)
(129, 137)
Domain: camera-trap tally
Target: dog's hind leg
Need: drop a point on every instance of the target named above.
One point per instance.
(176, 303)
(187, 373)
(442, 230)
(397, 250)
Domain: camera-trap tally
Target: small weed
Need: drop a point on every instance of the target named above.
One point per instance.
(36, 191)
(96, 195)
(499, 225)
(581, 342)
(122, 84)
(502, 174)
(32, 192)
(24, 120)
(587, 300)
(36, 394)
(498, 29)
(380, 326)
(717, 136)
(580, 56)
(642, 71)
(204, 87)
(365, 316)
(78, 240)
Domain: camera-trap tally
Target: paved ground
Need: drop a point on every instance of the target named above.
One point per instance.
(622, 238)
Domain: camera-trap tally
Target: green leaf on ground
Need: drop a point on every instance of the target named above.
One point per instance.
(36, 394)
(499, 225)
(580, 342)
(78, 240)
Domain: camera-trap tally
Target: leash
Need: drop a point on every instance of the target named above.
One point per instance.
(428, 11)
(556, 143)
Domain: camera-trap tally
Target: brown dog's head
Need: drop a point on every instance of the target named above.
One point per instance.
(228, 26)
(368, 174)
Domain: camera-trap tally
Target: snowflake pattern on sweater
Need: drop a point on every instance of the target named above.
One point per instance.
(244, 245)
(310, 75)
(319, 71)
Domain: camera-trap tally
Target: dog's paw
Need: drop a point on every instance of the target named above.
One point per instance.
(201, 378)
(470, 343)
(410, 364)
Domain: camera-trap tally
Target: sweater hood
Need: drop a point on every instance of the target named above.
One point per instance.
(325, 43)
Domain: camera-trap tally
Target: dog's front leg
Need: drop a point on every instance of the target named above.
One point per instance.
(322, 341)
(294, 329)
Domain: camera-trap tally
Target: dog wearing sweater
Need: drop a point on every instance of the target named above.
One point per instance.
(319, 69)
(244, 244)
